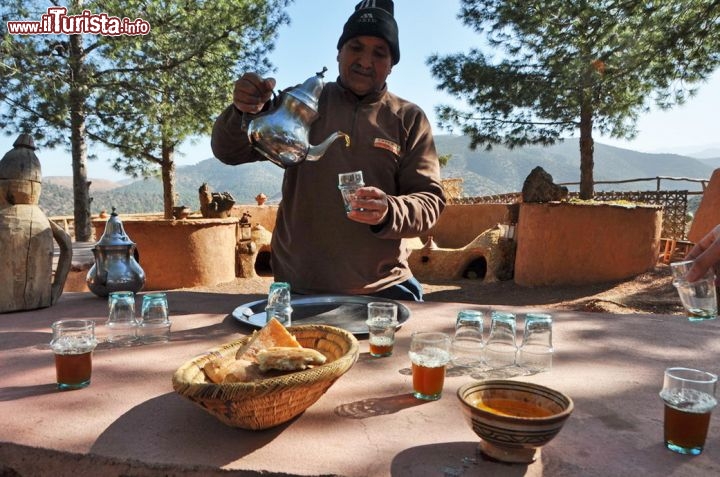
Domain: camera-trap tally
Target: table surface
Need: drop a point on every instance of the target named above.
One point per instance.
(367, 424)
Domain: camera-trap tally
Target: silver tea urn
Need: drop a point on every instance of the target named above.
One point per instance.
(115, 267)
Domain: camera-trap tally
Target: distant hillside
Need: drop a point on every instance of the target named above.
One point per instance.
(504, 170)
(498, 171)
(713, 162)
(67, 181)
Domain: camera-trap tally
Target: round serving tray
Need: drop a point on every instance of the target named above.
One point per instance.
(348, 312)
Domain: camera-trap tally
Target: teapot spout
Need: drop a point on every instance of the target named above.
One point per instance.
(316, 152)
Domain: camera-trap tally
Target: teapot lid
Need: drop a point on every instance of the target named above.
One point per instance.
(309, 91)
(114, 234)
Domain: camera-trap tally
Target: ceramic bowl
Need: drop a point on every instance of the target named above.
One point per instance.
(513, 419)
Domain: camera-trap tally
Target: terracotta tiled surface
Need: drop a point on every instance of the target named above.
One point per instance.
(130, 422)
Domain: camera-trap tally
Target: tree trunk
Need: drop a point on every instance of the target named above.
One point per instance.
(168, 178)
(81, 186)
(587, 151)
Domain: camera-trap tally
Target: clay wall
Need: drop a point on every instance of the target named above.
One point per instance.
(460, 224)
(182, 253)
(259, 214)
(574, 244)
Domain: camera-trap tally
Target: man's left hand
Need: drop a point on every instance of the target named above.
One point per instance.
(369, 207)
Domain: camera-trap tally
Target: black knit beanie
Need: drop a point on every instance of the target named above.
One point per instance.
(373, 18)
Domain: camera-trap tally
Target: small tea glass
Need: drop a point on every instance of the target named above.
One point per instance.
(154, 326)
(73, 343)
(349, 183)
(699, 298)
(501, 347)
(381, 322)
(121, 324)
(467, 344)
(689, 398)
(279, 303)
(429, 355)
(536, 351)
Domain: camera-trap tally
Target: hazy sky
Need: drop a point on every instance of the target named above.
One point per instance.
(426, 27)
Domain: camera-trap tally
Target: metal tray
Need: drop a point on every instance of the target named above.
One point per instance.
(348, 312)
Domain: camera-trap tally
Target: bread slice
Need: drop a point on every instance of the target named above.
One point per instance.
(242, 371)
(217, 369)
(289, 355)
(288, 359)
(271, 335)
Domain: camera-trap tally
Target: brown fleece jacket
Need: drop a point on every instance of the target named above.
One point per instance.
(315, 247)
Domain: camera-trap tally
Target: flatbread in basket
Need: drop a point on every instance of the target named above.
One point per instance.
(270, 401)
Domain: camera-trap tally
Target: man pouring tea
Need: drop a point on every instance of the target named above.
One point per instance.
(317, 246)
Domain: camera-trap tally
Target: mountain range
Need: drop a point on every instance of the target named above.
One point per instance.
(497, 171)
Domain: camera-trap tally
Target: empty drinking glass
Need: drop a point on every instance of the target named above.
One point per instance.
(121, 323)
(349, 183)
(155, 322)
(501, 346)
(467, 343)
(279, 303)
(536, 351)
(699, 298)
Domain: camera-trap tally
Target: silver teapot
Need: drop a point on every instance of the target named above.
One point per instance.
(281, 134)
(116, 267)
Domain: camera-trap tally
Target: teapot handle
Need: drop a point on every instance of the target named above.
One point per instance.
(272, 103)
(65, 261)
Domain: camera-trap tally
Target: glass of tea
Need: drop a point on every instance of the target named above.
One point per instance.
(72, 343)
(429, 355)
(381, 322)
(689, 397)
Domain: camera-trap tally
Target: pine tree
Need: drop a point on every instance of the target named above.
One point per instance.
(551, 68)
(141, 95)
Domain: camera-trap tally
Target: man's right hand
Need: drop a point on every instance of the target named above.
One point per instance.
(251, 92)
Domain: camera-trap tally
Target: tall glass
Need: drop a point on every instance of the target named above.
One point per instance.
(689, 397)
(429, 354)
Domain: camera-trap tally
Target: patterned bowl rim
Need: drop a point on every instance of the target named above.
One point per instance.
(553, 394)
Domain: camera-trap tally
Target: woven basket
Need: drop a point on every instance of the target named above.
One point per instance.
(272, 401)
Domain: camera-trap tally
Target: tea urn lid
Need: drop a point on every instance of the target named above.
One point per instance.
(21, 163)
(309, 92)
(114, 235)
